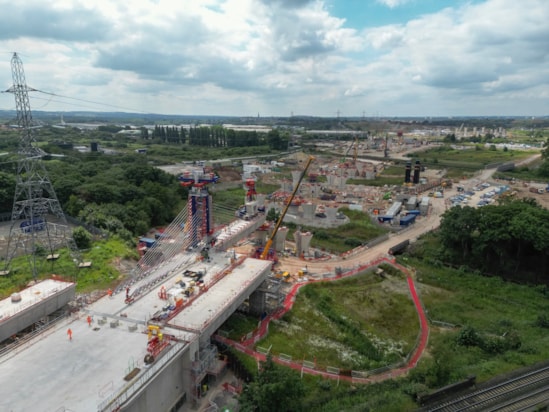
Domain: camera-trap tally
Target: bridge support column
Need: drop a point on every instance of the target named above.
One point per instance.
(257, 303)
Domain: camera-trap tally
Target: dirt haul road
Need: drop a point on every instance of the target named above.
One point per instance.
(362, 256)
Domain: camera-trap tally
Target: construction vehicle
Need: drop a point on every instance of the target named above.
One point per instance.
(270, 241)
(281, 275)
(156, 343)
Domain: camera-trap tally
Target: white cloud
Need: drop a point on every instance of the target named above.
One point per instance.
(393, 3)
(239, 57)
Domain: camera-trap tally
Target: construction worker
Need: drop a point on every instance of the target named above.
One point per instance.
(89, 320)
(109, 292)
(69, 333)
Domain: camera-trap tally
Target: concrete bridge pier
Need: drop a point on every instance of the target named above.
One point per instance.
(257, 302)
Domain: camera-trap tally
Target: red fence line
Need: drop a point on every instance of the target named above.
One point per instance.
(261, 331)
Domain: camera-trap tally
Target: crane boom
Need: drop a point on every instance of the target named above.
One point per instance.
(269, 242)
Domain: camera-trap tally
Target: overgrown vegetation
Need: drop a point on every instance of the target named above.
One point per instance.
(479, 325)
(352, 324)
(510, 240)
(106, 257)
(467, 158)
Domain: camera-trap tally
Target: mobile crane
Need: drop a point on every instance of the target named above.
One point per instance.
(269, 242)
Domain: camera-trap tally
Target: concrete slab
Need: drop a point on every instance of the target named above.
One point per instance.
(52, 372)
(31, 296)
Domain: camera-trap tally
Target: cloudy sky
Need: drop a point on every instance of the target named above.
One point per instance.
(280, 57)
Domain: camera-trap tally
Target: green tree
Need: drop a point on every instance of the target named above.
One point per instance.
(82, 237)
(458, 228)
(272, 215)
(275, 389)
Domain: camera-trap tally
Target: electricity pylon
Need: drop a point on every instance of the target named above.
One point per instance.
(38, 224)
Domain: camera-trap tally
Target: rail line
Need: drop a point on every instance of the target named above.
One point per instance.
(514, 394)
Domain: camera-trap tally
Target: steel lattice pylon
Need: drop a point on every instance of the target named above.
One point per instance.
(34, 200)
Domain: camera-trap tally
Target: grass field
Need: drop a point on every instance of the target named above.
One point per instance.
(509, 323)
(495, 309)
(105, 270)
(360, 323)
(465, 160)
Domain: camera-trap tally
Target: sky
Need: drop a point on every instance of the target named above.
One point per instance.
(348, 58)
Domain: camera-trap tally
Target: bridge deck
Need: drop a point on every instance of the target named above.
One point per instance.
(52, 372)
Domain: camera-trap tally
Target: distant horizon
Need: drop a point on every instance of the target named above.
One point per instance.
(370, 118)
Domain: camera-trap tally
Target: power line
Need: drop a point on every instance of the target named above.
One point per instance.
(92, 102)
(50, 99)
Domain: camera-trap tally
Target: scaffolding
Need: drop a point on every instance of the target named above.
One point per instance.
(208, 364)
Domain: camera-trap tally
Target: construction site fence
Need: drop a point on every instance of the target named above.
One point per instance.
(391, 370)
(114, 401)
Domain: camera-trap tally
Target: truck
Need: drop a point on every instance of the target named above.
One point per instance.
(536, 190)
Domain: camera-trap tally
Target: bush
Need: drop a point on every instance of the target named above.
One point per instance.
(352, 242)
(82, 238)
(468, 336)
(542, 321)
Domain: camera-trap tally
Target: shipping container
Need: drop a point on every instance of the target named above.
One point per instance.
(407, 220)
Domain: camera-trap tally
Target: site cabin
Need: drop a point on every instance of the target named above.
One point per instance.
(148, 242)
(407, 220)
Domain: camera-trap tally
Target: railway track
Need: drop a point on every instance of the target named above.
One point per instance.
(519, 393)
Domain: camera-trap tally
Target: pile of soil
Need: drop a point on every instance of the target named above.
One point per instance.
(228, 174)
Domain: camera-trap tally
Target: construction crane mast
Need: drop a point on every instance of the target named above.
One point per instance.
(34, 198)
(269, 242)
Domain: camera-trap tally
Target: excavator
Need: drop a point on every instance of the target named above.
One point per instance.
(270, 241)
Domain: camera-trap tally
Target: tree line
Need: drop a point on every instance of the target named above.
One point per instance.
(120, 194)
(216, 136)
(510, 240)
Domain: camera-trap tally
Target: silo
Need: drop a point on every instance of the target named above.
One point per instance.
(308, 210)
(280, 238)
(331, 213)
